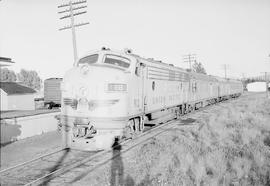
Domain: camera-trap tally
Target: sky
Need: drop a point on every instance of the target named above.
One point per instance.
(232, 32)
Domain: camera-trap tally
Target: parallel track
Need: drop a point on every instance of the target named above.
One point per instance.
(29, 162)
(31, 170)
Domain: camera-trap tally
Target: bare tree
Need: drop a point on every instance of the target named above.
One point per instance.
(7, 75)
(30, 78)
(198, 67)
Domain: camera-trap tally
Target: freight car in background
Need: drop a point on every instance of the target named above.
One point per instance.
(52, 92)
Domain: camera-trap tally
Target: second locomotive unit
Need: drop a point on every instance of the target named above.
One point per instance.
(112, 94)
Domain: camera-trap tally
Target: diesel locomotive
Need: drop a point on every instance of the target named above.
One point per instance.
(115, 94)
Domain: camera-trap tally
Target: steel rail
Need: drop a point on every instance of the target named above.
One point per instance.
(30, 161)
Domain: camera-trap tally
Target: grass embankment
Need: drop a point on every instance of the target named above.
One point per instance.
(227, 144)
(231, 145)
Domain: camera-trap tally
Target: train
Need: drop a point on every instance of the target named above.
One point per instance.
(52, 92)
(113, 94)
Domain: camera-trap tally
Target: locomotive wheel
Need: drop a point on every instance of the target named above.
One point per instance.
(134, 127)
(186, 109)
(129, 130)
(138, 128)
(192, 108)
(141, 124)
(189, 108)
(178, 113)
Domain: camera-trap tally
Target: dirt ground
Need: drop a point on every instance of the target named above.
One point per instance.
(226, 144)
(29, 148)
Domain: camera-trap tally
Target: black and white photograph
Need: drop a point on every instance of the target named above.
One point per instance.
(135, 92)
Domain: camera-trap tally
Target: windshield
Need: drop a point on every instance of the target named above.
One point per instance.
(89, 59)
(117, 61)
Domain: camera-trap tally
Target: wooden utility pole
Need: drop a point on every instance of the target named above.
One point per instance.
(267, 81)
(267, 84)
(243, 76)
(225, 67)
(189, 58)
(72, 7)
(266, 78)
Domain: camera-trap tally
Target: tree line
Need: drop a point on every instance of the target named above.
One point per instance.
(29, 78)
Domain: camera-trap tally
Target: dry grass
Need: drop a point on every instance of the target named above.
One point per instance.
(229, 145)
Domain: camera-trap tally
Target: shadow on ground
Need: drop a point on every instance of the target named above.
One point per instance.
(117, 167)
(9, 132)
(55, 167)
(187, 121)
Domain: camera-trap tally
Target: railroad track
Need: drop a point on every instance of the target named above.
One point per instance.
(68, 166)
(22, 173)
(77, 171)
(44, 169)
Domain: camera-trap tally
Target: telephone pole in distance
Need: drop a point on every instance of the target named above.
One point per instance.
(267, 80)
(189, 58)
(225, 67)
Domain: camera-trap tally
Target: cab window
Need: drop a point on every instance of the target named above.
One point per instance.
(89, 59)
(138, 69)
(117, 61)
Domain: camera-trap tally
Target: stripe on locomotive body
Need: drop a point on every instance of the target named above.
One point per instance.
(96, 119)
(166, 74)
(92, 104)
(102, 103)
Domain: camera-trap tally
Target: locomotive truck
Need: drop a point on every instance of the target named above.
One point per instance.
(114, 94)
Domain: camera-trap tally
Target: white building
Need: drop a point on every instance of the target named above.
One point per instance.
(16, 97)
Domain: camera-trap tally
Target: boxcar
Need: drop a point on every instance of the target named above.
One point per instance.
(52, 92)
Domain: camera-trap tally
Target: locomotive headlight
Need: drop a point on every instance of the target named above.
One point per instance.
(117, 87)
(84, 69)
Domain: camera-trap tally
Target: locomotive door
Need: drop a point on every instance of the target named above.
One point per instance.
(140, 72)
(219, 91)
(211, 89)
(192, 90)
(144, 90)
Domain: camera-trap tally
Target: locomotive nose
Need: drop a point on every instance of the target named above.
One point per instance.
(97, 91)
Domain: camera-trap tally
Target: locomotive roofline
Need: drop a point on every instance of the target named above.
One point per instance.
(101, 103)
(149, 61)
(135, 56)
